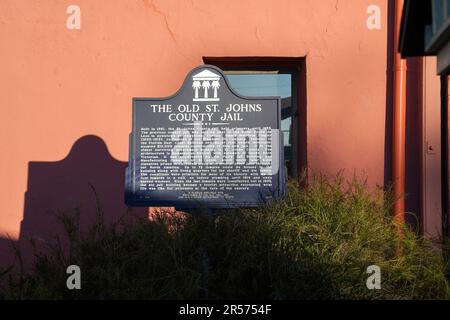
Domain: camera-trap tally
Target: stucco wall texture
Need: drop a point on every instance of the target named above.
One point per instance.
(59, 85)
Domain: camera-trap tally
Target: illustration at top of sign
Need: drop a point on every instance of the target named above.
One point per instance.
(206, 80)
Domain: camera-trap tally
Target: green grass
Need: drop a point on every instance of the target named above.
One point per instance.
(314, 244)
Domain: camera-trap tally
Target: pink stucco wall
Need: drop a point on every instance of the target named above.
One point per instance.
(58, 85)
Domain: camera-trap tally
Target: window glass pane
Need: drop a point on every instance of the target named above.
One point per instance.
(254, 84)
(438, 14)
(262, 84)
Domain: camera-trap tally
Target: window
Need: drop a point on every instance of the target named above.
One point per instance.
(260, 77)
(269, 83)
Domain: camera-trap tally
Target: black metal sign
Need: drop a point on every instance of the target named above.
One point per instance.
(205, 146)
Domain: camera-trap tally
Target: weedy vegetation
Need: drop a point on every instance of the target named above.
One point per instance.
(316, 243)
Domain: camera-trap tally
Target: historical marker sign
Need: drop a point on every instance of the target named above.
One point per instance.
(205, 146)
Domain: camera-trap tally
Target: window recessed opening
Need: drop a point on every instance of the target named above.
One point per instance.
(270, 77)
(255, 83)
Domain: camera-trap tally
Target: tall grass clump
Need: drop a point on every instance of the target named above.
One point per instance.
(129, 260)
(316, 243)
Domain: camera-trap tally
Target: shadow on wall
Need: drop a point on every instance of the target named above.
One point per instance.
(89, 179)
